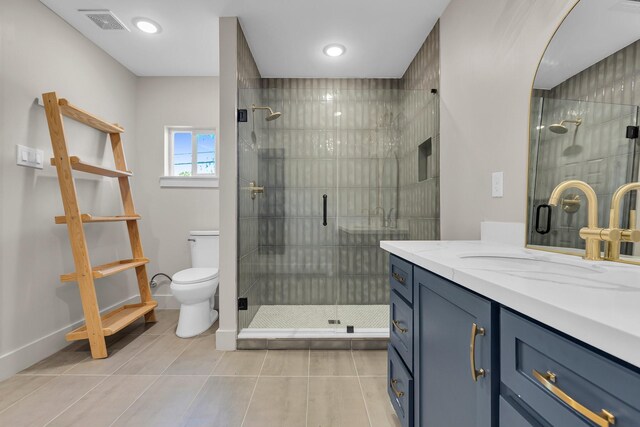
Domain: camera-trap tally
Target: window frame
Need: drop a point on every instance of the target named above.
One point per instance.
(195, 179)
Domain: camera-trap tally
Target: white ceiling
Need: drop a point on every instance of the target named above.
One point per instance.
(285, 36)
(593, 30)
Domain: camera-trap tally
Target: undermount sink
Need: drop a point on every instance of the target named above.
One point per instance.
(527, 263)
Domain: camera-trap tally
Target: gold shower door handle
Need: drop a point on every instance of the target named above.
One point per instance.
(603, 419)
(396, 324)
(397, 392)
(254, 189)
(475, 373)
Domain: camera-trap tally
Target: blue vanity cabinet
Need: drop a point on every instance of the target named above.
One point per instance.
(558, 382)
(455, 369)
(400, 353)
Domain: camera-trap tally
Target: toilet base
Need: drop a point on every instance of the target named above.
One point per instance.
(195, 319)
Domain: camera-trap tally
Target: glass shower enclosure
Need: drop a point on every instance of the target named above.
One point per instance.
(309, 259)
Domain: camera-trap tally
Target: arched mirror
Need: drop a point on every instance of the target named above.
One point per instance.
(584, 124)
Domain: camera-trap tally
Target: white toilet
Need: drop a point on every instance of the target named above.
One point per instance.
(195, 287)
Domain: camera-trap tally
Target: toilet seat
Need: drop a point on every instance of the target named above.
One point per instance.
(191, 276)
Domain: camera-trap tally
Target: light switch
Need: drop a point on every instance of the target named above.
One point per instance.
(497, 184)
(29, 157)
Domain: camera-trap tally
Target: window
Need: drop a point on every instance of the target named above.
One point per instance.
(190, 157)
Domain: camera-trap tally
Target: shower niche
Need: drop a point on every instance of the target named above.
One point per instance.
(425, 150)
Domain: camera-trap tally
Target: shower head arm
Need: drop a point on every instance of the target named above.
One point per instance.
(254, 107)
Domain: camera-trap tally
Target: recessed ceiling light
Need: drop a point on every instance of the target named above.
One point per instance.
(334, 50)
(337, 113)
(147, 25)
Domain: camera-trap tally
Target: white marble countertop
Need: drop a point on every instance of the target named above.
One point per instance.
(596, 302)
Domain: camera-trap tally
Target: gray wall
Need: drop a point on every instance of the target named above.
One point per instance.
(170, 213)
(40, 53)
(490, 52)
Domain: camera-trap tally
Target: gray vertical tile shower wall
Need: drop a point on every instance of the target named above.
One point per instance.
(420, 200)
(355, 140)
(250, 140)
(605, 96)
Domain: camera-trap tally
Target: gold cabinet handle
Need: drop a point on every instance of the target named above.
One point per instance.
(603, 419)
(396, 324)
(398, 277)
(397, 392)
(475, 373)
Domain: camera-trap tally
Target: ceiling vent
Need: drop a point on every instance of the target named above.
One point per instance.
(105, 19)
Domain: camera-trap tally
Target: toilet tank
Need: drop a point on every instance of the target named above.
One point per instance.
(205, 248)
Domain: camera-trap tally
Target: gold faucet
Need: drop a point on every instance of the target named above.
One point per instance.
(612, 249)
(592, 234)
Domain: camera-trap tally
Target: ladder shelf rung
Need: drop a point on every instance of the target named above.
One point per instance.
(88, 218)
(115, 320)
(109, 269)
(79, 165)
(88, 119)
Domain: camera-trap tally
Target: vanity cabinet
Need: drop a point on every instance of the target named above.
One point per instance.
(454, 376)
(556, 381)
(459, 359)
(440, 352)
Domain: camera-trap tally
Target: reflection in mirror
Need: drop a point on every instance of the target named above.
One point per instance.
(584, 118)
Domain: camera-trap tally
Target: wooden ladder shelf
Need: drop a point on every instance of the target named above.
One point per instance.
(96, 326)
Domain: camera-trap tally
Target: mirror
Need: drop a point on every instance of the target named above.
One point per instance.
(584, 122)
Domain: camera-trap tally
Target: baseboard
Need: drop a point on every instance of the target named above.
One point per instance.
(226, 339)
(25, 356)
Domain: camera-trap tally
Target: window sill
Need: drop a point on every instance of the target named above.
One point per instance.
(189, 181)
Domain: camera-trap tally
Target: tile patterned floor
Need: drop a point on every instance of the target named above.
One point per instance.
(153, 378)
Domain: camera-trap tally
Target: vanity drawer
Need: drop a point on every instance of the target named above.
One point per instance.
(400, 388)
(562, 381)
(401, 328)
(401, 277)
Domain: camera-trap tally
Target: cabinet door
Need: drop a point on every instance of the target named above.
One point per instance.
(446, 350)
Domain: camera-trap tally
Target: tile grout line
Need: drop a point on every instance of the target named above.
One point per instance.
(306, 419)
(364, 400)
(54, 376)
(254, 388)
(191, 341)
(75, 401)
(135, 400)
(29, 394)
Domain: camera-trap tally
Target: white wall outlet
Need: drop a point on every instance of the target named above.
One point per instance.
(497, 184)
(29, 157)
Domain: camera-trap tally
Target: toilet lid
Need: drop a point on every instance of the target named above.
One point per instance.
(194, 275)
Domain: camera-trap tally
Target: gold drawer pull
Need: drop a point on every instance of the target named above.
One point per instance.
(398, 277)
(397, 392)
(475, 373)
(603, 419)
(398, 327)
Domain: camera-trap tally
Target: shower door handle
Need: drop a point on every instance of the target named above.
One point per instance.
(324, 210)
(547, 228)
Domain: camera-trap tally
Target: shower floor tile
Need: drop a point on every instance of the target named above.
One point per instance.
(318, 316)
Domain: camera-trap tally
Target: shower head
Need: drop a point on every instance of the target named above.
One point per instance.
(561, 129)
(271, 116)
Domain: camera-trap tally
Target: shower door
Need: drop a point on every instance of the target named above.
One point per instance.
(340, 171)
(597, 152)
